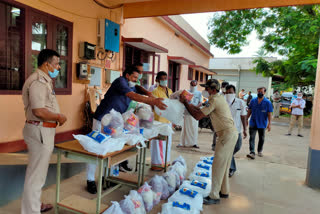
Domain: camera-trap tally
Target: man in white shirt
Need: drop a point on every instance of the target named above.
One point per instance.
(239, 112)
(189, 134)
(297, 106)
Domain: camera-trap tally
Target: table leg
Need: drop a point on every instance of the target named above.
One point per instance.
(58, 181)
(99, 185)
(166, 155)
(144, 163)
(140, 167)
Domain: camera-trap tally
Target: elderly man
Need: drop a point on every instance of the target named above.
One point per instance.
(297, 106)
(189, 134)
(218, 110)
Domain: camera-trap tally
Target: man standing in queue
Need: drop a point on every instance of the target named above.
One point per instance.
(42, 117)
(218, 110)
(118, 97)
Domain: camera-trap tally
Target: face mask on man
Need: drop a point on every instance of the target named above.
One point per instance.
(299, 97)
(260, 94)
(53, 74)
(193, 88)
(223, 90)
(140, 76)
(205, 94)
(132, 84)
(230, 98)
(164, 83)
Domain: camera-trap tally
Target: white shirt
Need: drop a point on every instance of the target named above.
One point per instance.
(238, 108)
(298, 111)
(197, 97)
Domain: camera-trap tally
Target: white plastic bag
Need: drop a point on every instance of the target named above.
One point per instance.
(145, 114)
(112, 124)
(160, 186)
(196, 175)
(173, 180)
(174, 111)
(181, 160)
(180, 169)
(111, 145)
(114, 208)
(195, 202)
(150, 198)
(203, 189)
(168, 208)
(133, 203)
(131, 122)
(201, 166)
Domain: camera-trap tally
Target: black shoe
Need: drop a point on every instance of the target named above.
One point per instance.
(195, 146)
(223, 195)
(231, 173)
(208, 201)
(299, 135)
(251, 156)
(91, 187)
(124, 168)
(288, 134)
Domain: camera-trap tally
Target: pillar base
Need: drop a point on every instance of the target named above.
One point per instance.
(313, 170)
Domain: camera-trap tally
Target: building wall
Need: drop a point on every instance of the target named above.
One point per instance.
(84, 15)
(155, 30)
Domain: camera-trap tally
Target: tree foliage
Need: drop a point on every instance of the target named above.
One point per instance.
(292, 32)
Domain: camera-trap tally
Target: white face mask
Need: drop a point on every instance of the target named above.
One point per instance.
(193, 88)
(230, 98)
(223, 90)
(205, 94)
(131, 84)
(300, 97)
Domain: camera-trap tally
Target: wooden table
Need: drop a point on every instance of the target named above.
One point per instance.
(74, 150)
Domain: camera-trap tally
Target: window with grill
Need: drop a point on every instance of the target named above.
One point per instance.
(201, 77)
(24, 32)
(190, 74)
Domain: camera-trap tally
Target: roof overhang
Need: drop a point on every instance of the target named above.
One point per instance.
(181, 60)
(145, 45)
(203, 69)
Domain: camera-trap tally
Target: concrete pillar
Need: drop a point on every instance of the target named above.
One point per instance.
(313, 168)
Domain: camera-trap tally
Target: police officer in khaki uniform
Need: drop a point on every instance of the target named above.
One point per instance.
(42, 116)
(222, 122)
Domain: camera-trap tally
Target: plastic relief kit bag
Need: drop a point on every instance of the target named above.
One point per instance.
(201, 166)
(173, 180)
(112, 124)
(160, 186)
(202, 176)
(202, 188)
(131, 122)
(114, 208)
(133, 204)
(181, 160)
(195, 201)
(174, 111)
(150, 198)
(180, 169)
(177, 207)
(145, 114)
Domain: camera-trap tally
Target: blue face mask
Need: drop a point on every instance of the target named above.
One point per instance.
(140, 76)
(164, 83)
(53, 74)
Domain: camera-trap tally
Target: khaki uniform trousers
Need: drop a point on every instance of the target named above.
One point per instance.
(276, 109)
(222, 159)
(40, 142)
(294, 119)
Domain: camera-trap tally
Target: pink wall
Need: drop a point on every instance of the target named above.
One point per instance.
(156, 31)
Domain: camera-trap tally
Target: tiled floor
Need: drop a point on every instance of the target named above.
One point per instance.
(273, 184)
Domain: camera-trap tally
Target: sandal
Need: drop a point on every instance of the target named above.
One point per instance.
(45, 207)
(195, 146)
(179, 145)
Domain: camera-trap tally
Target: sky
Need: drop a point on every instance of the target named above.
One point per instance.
(199, 22)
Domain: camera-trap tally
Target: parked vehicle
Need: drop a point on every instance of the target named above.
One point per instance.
(285, 103)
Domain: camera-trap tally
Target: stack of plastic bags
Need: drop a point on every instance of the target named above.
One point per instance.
(189, 198)
(150, 193)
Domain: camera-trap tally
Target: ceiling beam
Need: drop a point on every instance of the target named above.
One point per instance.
(175, 7)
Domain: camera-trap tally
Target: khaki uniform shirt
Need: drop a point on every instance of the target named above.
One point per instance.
(38, 92)
(160, 92)
(219, 112)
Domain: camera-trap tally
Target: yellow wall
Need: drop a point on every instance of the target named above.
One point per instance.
(83, 14)
(156, 31)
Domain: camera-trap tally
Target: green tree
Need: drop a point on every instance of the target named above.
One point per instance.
(292, 32)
